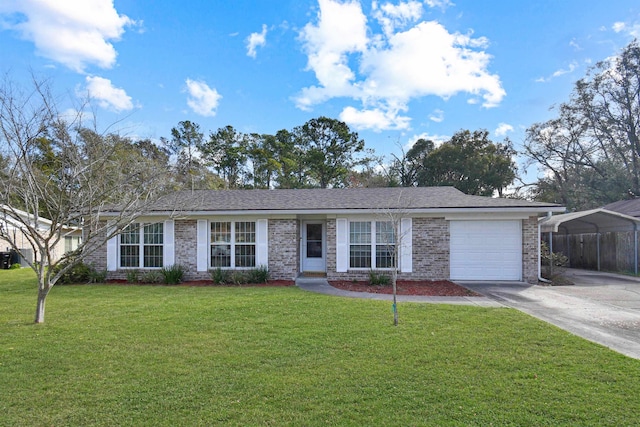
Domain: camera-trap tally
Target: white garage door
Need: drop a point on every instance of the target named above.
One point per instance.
(486, 250)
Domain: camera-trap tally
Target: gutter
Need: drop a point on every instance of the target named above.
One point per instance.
(540, 278)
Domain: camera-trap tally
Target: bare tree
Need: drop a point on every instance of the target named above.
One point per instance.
(393, 234)
(57, 170)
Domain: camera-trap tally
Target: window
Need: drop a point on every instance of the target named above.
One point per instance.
(371, 244)
(233, 244)
(71, 243)
(141, 245)
(385, 244)
(360, 245)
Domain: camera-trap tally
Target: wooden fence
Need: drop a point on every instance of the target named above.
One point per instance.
(616, 250)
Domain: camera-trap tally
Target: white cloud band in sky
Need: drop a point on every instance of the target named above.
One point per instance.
(75, 33)
(393, 67)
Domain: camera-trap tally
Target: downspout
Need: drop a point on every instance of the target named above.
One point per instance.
(635, 248)
(598, 247)
(540, 278)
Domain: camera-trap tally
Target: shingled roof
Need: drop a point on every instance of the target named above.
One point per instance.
(627, 207)
(326, 200)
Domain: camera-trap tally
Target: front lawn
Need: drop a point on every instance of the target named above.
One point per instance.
(159, 355)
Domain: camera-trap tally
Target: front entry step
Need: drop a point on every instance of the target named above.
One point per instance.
(314, 274)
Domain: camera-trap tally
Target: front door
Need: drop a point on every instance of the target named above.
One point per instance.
(313, 246)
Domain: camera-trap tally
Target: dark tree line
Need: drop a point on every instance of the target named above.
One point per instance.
(321, 153)
(325, 153)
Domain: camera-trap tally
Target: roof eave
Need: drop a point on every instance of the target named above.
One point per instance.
(203, 213)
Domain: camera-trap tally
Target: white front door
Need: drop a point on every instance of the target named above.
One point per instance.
(313, 246)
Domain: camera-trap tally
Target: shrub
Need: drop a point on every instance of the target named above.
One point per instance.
(15, 266)
(78, 273)
(557, 258)
(219, 276)
(97, 276)
(378, 279)
(152, 276)
(172, 275)
(133, 276)
(258, 275)
(237, 277)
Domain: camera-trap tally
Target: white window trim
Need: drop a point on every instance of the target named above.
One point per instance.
(142, 245)
(373, 245)
(204, 244)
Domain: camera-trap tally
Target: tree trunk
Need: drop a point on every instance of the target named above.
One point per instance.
(42, 296)
(394, 280)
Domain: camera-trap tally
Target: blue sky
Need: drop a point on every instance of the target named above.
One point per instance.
(394, 71)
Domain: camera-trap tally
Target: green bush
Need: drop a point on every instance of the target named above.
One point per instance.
(237, 277)
(78, 273)
(219, 276)
(378, 279)
(172, 275)
(97, 276)
(15, 266)
(152, 276)
(133, 276)
(258, 275)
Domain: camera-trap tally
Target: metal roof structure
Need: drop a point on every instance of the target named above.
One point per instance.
(592, 221)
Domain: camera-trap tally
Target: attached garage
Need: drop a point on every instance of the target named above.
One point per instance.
(486, 250)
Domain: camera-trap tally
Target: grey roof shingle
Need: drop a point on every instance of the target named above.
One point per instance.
(627, 207)
(333, 199)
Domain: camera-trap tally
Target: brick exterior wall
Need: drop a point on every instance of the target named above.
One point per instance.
(430, 244)
(284, 249)
(331, 252)
(186, 245)
(530, 245)
(430, 249)
(98, 258)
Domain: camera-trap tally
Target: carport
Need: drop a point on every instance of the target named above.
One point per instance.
(595, 221)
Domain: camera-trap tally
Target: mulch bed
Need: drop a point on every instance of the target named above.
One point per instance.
(441, 288)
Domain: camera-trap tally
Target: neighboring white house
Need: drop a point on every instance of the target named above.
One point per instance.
(340, 233)
(12, 230)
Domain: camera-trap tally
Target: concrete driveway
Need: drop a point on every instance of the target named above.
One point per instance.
(601, 307)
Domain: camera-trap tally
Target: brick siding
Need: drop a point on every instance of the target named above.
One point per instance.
(284, 249)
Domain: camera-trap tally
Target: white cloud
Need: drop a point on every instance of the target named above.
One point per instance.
(570, 69)
(375, 119)
(437, 116)
(574, 44)
(256, 40)
(202, 99)
(75, 33)
(503, 129)
(438, 140)
(442, 4)
(621, 27)
(107, 95)
(383, 72)
(392, 16)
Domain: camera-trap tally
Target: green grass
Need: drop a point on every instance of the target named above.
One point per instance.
(159, 355)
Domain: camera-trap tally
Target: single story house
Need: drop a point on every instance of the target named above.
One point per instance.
(441, 233)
